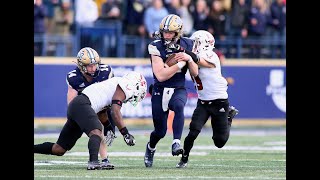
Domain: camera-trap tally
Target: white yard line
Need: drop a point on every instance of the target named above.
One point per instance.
(157, 177)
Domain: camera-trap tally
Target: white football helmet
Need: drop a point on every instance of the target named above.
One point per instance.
(139, 85)
(203, 41)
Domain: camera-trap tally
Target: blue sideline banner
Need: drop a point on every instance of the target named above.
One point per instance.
(258, 91)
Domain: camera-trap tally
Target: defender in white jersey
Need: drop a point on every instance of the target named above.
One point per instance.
(212, 96)
(82, 115)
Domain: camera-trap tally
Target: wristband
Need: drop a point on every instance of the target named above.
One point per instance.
(181, 64)
(124, 131)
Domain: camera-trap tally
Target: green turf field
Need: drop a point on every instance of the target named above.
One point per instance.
(248, 154)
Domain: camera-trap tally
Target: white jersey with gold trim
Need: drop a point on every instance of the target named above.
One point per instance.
(214, 85)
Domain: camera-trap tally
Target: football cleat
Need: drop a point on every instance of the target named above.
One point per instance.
(183, 162)
(232, 113)
(148, 156)
(176, 149)
(105, 164)
(93, 165)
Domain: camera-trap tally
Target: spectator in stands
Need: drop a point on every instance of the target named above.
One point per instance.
(50, 4)
(134, 18)
(278, 24)
(258, 19)
(110, 10)
(173, 7)
(86, 12)
(186, 10)
(200, 16)
(217, 20)
(63, 17)
(239, 19)
(153, 16)
(40, 12)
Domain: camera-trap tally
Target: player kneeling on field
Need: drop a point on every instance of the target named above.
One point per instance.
(82, 115)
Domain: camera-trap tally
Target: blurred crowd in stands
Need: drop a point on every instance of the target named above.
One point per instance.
(225, 19)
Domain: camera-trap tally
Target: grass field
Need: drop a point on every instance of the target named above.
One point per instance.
(249, 154)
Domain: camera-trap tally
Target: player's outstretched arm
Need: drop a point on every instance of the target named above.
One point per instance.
(117, 99)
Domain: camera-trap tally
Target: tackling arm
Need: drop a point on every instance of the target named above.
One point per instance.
(206, 63)
(193, 67)
(117, 99)
(116, 115)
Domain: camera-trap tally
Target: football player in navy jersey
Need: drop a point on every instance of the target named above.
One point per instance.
(90, 70)
(169, 91)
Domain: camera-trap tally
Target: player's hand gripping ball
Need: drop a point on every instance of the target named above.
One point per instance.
(171, 61)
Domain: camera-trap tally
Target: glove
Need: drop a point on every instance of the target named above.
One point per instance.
(109, 137)
(129, 139)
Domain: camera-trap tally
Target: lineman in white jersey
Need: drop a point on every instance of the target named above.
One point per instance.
(82, 115)
(212, 96)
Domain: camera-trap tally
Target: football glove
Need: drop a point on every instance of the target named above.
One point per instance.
(109, 137)
(129, 139)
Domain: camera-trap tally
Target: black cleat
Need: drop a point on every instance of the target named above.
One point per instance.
(183, 162)
(232, 113)
(93, 165)
(105, 164)
(176, 149)
(148, 156)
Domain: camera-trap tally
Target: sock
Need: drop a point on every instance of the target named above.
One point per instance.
(93, 146)
(176, 141)
(154, 139)
(44, 148)
(152, 149)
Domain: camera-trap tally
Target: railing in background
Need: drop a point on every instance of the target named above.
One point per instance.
(107, 38)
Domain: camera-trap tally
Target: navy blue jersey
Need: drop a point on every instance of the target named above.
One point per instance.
(177, 80)
(78, 82)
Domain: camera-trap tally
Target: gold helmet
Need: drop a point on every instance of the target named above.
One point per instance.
(171, 23)
(87, 56)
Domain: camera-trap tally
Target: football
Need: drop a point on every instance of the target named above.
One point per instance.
(171, 61)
